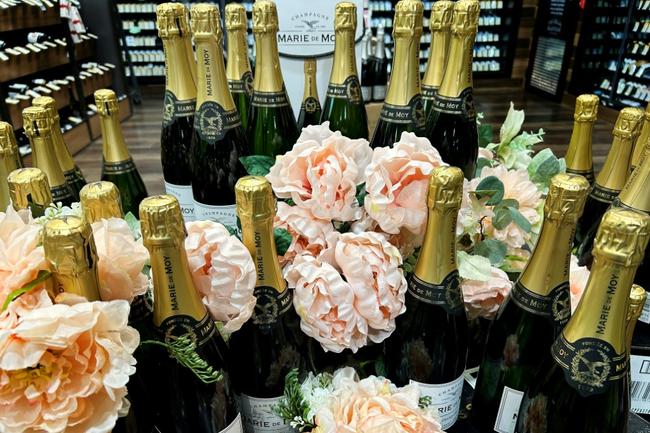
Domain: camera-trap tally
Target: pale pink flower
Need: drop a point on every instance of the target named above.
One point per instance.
(578, 277)
(397, 184)
(222, 271)
(316, 133)
(65, 368)
(483, 298)
(485, 153)
(36, 298)
(121, 260)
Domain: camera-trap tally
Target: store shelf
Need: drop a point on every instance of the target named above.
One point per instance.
(77, 139)
(23, 16)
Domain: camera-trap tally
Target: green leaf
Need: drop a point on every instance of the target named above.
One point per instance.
(361, 194)
(485, 135)
(519, 219)
(380, 367)
(231, 230)
(490, 187)
(473, 267)
(257, 165)
(480, 164)
(494, 249)
(512, 125)
(283, 240)
(544, 166)
(134, 225)
(502, 217)
(293, 407)
(40, 278)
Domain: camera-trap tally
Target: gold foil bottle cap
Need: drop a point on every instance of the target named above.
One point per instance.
(29, 185)
(254, 197)
(235, 17)
(442, 13)
(408, 19)
(265, 17)
(586, 109)
(206, 22)
(638, 297)
(622, 236)
(100, 200)
(106, 101)
(7, 139)
(566, 198)
(171, 19)
(67, 242)
(345, 16)
(465, 17)
(161, 220)
(37, 121)
(445, 187)
(628, 123)
(49, 103)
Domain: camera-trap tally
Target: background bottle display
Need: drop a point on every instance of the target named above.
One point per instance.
(366, 66)
(268, 346)
(578, 156)
(238, 69)
(402, 109)
(219, 139)
(9, 161)
(583, 383)
(191, 404)
(117, 165)
(533, 314)
(28, 189)
(379, 63)
(344, 104)
(434, 301)
(272, 126)
(179, 104)
(310, 109)
(440, 26)
(642, 141)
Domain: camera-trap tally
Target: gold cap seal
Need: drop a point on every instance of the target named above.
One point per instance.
(566, 198)
(29, 185)
(628, 123)
(638, 297)
(442, 13)
(49, 103)
(622, 236)
(206, 22)
(100, 200)
(408, 19)
(106, 101)
(345, 17)
(310, 66)
(265, 17)
(162, 220)
(37, 121)
(586, 109)
(235, 17)
(171, 19)
(445, 187)
(254, 198)
(465, 18)
(7, 139)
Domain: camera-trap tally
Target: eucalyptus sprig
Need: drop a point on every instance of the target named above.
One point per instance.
(292, 406)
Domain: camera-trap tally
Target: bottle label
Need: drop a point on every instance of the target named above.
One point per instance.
(640, 386)
(270, 305)
(590, 365)
(119, 167)
(556, 306)
(446, 294)
(243, 85)
(178, 325)
(350, 90)
(270, 99)
(259, 417)
(61, 193)
(379, 92)
(445, 397)
(183, 194)
(645, 313)
(603, 194)
(175, 108)
(463, 104)
(429, 92)
(226, 214)
(310, 105)
(413, 113)
(212, 122)
(235, 426)
(508, 410)
(366, 92)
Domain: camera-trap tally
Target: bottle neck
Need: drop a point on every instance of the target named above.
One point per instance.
(380, 50)
(438, 51)
(458, 74)
(180, 68)
(615, 170)
(238, 63)
(257, 236)
(345, 60)
(113, 147)
(635, 192)
(5, 164)
(268, 76)
(309, 90)
(438, 254)
(641, 144)
(212, 82)
(82, 283)
(406, 70)
(578, 157)
(60, 149)
(45, 159)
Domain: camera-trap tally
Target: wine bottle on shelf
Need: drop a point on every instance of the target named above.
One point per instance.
(117, 165)
(402, 109)
(440, 26)
(344, 106)
(436, 360)
(180, 103)
(643, 140)
(582, 385)
(192, 404)
(379, 69)
(9, 161)
(273, 330)
(39, 128)
(578, 156)
(310, 109)
(451, 125)
(533, 314)
(272, 128)
(28, 189)
(609, 181)
(238, 69)
(366, 66)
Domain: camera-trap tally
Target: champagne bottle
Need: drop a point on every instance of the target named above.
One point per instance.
(533, 314)
(451, 125)
(28, 189)
(310, 109)
(366, 66)
(402, 109)
(192, 404)
(100, 200)
(118, 166)
(71, 171)
(582, 385)
(69, 246)
(238, 69)
(272, 128)
(219, 139)
(180, 103)
(380, 66)
(440, 26)
(609, 181)
(344, 106)
(436, 360)
(39, 129)
(578, 156)
(9, 161)
(643, 141)
(266, 348)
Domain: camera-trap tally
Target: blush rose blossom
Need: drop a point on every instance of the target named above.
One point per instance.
(578, 277)
(483, 298)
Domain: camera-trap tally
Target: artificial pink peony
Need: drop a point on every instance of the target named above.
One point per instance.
(36, 298)
(322, 176)
(316, 133)
(65, 368)
(223, 272)
(485, 153)
(121, 260)
(578, 277)
(483, 298)
(397, 184)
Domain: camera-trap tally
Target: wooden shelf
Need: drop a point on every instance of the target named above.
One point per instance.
(96, 82)
(62, 98)
(22, 17)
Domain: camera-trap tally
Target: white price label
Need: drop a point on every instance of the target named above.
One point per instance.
(235, 426)
(226, 215)
(378, 92)
(645, 314)
(446, 398)
(258, 415)
(640, 386)
(184, 195)
(508, 410)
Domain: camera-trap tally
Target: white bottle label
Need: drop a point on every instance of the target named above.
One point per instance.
(259, 417)
(184, 195)
(446, 398)
(508, 410)
(379, 92)
(366, 92)
(226, 215)
(640, 386)
(235, 426)
(645, 313)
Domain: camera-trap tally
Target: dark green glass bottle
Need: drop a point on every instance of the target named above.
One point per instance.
(238, 69)
(440, 26)
(578, 156)
(310, 110)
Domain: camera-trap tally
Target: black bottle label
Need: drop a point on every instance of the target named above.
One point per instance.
(212, 122)
(270, 305)
(590, 365)
(446, 294)
(603, 194)
(199, 331)
(556, 306)
(413, 113)
(310, 105)
(119, 167)
(175, 108)
(429, 92)
(243, 85)
(61, 193)
(463, 104)
(270, 99)
(350, 90)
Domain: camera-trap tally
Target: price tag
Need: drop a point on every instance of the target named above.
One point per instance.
(640, 386)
